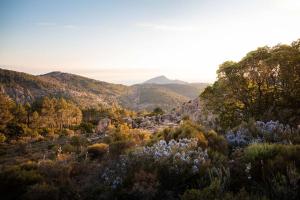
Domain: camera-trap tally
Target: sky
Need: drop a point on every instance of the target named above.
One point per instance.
(130, 41)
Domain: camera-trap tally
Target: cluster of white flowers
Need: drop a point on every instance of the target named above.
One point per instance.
(238, 138)
(247, 170)
(272, 130)
(178, 155)
(114, 174)
(272, 127)
(185, 151)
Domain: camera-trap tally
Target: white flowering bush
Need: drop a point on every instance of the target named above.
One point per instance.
(115, 173)
(176, 153)
(177, 157)
(274, 131)
(271, 131)
(239, 138)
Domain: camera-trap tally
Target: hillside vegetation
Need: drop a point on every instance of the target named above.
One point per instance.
(264, 85)
(54, 148)
(87, 92)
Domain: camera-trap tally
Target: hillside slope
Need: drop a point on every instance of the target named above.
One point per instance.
(87, 92)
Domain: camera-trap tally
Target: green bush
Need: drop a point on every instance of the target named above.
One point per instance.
(78, 141)
(47, 131)
(98, 150)
(42, 191)
(187, 129)
(191, 194)
(275, 167)
(157, 111)
(15, 180)
(268, 151)
(86, 128)
(68, 148)
(119, 147)
(2, 138)
(213, 191)
(217, 142)
(15, 130)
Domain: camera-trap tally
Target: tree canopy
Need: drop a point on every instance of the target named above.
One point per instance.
(264, 85)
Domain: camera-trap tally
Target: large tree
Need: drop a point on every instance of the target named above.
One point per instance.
(264, 85)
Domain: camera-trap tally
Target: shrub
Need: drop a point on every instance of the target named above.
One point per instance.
(2, 138)
(191, 194)
(119, 147)
(145, 185)
(78, 141)
(42, 191)
(15, 129)
(67, 132)
(157, 111)
(258, 132)
(98, 150)
(68, 148)
(261, 151)
(186, 130)
(217, 142)
(86, 128)
(275, 167)
(14, 181)
(47, 132)
(211, 192)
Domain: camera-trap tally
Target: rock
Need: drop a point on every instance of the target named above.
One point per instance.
(102, 126)
(195, 110)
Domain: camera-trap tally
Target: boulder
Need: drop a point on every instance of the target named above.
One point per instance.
(103, 125)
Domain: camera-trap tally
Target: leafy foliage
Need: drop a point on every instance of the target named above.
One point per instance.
(264, 85)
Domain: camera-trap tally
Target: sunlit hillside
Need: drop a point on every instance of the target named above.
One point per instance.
(149, 100)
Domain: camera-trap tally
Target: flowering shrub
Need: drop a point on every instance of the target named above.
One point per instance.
(185, 150)
(115, 173)
(239, 138)
(273, 131)
(182, 156)
(187, 129)
(259, 132)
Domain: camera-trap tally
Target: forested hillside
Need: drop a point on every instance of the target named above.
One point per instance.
(87, 92)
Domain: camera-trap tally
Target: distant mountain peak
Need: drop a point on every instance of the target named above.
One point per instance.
(162, 79)
(52, 73)
(161, 76)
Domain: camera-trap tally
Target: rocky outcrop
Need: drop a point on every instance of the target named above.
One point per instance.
(103, 125)
(196, 111)
(155, 122)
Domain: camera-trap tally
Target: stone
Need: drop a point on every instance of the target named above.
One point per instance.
(103, 125)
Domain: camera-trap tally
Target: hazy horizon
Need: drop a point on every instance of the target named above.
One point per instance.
(129, 42)
(129, 83)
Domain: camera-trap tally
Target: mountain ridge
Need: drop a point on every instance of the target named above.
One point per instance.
(88, 92)
(162, 79)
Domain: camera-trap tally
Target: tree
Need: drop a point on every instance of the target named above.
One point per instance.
(264, 85)
(35, 120)
(48, 112)
(20, 113)
(6, 106)
(158, 111)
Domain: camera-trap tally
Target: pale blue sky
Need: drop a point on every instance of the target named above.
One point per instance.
(128, 41)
